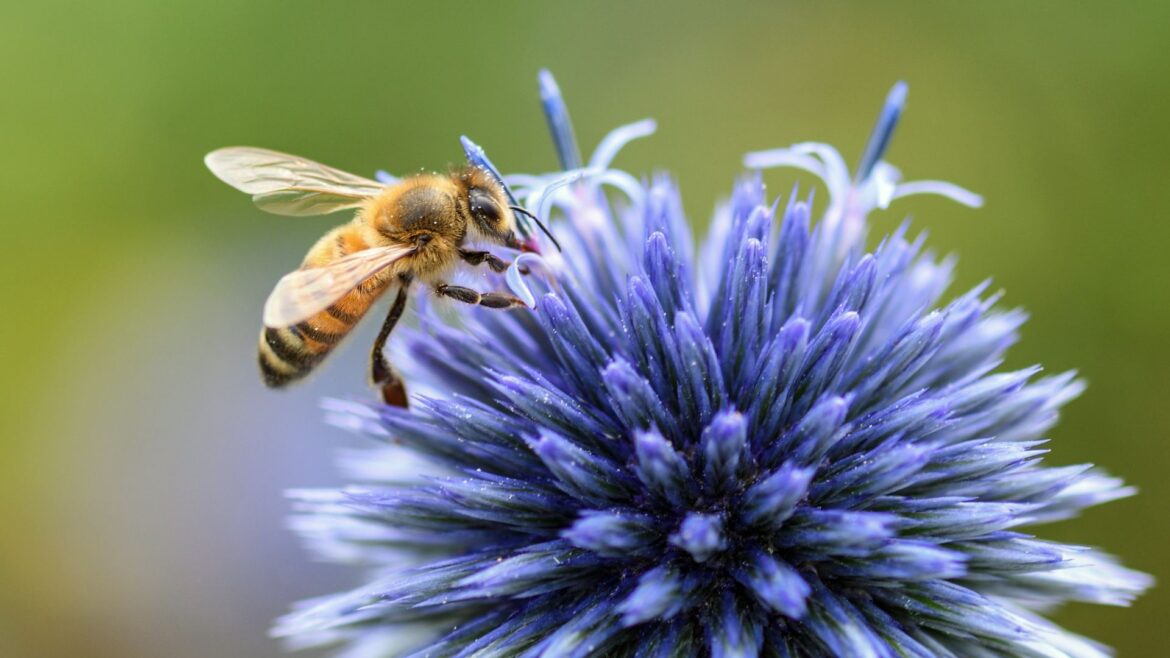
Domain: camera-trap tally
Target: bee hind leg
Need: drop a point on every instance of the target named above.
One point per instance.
(382, 373)
(469, 296)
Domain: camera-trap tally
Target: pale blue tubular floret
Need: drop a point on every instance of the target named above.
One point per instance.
(575, 190)
(883, 131)
(875, 183)
(787, 444)
(559, 124)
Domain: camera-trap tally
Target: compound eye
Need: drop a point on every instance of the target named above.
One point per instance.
(484, 207)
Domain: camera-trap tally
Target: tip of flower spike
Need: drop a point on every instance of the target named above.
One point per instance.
(775, 583)
(701, 535)
(661, 468)
(548, 84)
(611, 533)
(559, 124)
(883, 131)
(474, 152)
(660, 594)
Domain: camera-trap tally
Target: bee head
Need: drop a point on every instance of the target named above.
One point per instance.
(491, 217)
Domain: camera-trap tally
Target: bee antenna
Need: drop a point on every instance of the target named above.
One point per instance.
(538, 223)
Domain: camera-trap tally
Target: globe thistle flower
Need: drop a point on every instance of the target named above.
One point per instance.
(782, 444)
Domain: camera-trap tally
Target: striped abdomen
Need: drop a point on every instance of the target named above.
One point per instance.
(289, 353)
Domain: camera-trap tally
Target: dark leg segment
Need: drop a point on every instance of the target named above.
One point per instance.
(381, 372)
(469, 296)
(481, 257)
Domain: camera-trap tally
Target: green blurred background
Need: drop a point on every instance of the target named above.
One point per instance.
(142, 462)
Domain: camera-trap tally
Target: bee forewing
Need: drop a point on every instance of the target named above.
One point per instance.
(287, 184)
(302, 294)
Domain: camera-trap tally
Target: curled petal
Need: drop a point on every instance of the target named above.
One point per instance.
(612, 143)
(516, 279)
(941, 188)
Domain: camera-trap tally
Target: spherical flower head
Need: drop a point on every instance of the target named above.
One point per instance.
(782, 444)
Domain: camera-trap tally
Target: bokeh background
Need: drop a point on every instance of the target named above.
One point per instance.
(141, 461)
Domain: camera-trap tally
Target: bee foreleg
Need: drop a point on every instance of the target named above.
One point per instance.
(381, 372)
(480, 257)
(469, 296)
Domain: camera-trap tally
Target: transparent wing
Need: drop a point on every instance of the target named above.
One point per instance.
(289, 185)
(302, 294)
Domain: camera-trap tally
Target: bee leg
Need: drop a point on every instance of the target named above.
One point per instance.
(480, 257)
(469, 296)
(381, 372)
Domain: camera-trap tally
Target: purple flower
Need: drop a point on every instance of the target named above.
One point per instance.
(782, 445)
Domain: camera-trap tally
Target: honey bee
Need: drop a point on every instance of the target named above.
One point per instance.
(411, 232)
